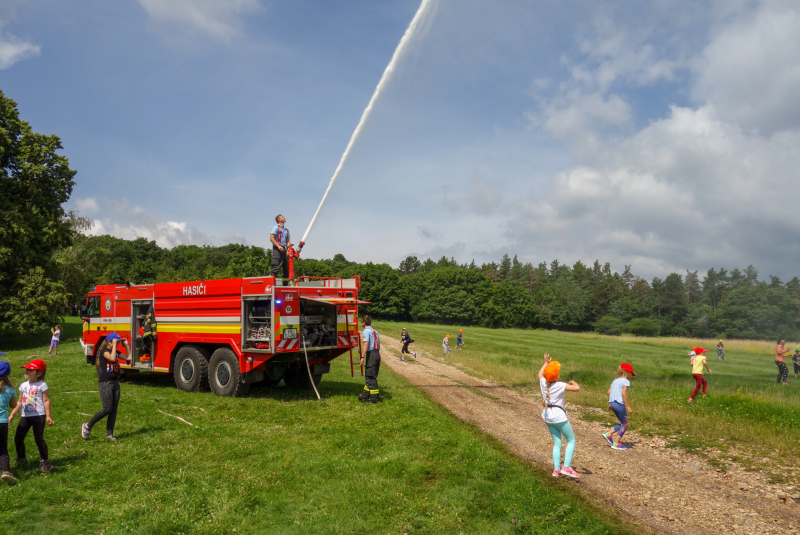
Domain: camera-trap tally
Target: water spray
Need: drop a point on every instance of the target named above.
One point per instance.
(387, 73)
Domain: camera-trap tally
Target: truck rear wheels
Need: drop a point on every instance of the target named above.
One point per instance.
(224, 377)
(190, 368)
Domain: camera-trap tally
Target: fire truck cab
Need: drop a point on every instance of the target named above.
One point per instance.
(227, 334)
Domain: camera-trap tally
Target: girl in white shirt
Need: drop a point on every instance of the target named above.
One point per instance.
(555, 415)
(55, 339)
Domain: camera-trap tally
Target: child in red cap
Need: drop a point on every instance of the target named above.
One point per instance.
(618, 404)
(697, 362)
(35, 406)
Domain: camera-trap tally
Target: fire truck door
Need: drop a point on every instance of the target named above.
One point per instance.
(144, 347)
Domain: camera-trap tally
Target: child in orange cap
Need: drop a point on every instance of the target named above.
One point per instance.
(35, 406)
(460, 339)
(555, 415)
(445, 347)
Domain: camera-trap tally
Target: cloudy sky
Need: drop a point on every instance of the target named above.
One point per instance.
(662, 134)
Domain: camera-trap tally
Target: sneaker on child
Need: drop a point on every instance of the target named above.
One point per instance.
(568, 471)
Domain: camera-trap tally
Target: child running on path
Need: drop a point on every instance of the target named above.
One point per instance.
(8, 400)
(555, 415)
(35, 406)
(405, 338)
(54, 340)
(445, 347)
(697, 362)
(618, 403)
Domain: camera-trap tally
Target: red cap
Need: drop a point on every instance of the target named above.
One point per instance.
(628, 368)
(699, 350)
(36, 365)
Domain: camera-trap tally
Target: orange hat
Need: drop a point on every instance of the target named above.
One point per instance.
(461, 330)
(551, 371)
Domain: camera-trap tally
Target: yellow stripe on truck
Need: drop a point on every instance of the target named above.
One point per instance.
(184, 328)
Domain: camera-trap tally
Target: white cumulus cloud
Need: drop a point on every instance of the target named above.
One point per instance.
(87, 206)
(13, 49)
(129, 222)
(710, 185)
(218, 18)
(750, 71)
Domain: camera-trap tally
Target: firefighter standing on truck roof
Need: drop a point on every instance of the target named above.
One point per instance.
(371, 351)
(279, 237)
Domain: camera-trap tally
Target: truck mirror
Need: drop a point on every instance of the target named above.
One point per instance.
(83, 312)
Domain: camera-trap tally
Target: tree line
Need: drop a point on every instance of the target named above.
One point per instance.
(48, 263)
(580, 297)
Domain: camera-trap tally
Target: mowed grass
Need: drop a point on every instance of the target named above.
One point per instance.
(277, 461)
(745, 407)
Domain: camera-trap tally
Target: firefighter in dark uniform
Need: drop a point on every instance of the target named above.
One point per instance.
(281, 242)
(371, 351)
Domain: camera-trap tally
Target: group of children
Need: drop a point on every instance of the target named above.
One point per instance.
(405, 339)
(555, 413)
(446, 342)
(34, 404)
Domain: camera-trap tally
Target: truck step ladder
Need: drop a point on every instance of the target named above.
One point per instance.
(357, 363)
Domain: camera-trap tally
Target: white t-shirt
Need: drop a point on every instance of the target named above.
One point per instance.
(32, 399)
(56, 334)
(616, 390)
(554, 415)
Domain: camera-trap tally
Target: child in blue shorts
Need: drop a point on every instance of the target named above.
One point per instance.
(618, 403)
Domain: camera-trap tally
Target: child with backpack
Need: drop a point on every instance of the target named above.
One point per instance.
(8, 400)
(618, 404)
(555, 415)
(35, 406)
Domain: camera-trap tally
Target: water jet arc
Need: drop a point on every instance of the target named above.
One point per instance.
(387, 73)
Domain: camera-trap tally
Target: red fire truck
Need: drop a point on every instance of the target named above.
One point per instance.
(228, 334)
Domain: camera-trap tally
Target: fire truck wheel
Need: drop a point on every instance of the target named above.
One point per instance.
(190, 368)
(224, 377)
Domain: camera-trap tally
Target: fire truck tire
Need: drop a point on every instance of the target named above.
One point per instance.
(191, 369)
(224, 377)
(296, 376)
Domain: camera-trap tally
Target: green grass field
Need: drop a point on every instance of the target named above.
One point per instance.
(745, 418)
(277, 461)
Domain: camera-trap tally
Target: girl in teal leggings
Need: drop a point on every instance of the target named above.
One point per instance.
(555, 415)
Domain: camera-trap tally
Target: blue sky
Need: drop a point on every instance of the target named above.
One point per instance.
(662, 135)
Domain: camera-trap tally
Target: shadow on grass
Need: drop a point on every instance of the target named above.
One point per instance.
(327, 389)
(142, 431)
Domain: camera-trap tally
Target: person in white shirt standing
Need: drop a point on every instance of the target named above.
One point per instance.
(54, 340)
(35, 406)
(555, 415)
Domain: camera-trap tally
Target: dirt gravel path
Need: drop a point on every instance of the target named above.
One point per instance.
(662, 488)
